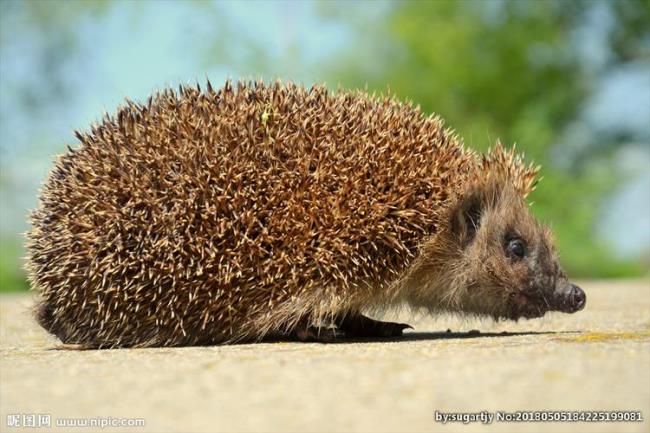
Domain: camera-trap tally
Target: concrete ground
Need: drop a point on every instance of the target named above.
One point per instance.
(597, 359)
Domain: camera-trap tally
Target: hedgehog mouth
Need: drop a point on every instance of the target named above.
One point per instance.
(527, 305)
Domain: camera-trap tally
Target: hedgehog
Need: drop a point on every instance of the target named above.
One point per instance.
(209, 216)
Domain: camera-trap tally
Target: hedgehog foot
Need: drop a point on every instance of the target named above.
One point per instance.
(307, 333)
(358, 325)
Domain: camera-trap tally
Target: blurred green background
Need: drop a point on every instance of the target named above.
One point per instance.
(568, 81)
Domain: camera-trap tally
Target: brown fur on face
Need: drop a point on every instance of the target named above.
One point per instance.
(468, 268)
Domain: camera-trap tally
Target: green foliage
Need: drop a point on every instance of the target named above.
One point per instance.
(629, 40)
(12, 276)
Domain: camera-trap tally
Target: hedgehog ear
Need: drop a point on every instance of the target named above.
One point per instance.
(466, 218)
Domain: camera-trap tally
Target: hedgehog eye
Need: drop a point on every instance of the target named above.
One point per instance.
(515, 249)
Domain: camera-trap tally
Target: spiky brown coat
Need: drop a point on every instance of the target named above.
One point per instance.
(208, 216)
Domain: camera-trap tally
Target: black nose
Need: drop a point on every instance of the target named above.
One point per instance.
(576, 298)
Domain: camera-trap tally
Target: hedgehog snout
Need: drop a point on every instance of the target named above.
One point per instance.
(569, 299)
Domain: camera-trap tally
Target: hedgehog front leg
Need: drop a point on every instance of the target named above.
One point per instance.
(358, 325)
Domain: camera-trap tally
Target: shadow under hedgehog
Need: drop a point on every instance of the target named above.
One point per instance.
(216, 216)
